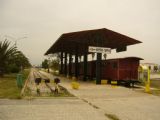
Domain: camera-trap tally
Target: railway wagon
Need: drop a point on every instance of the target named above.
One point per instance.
(119, 69)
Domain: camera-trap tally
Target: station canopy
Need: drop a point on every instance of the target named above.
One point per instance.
(80, 41)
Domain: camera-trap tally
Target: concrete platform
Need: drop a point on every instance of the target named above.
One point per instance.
(48, 109)
(127, 104)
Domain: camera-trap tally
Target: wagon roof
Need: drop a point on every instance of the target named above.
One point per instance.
(135, 58)
(79, 41)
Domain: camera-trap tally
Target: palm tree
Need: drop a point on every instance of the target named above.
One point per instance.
(6, 53)
(21, 60)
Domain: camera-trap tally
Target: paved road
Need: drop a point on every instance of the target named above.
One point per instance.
(48, 109)
(127, 104)
(155, 76)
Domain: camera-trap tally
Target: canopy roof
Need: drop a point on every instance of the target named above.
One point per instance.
(79, 41)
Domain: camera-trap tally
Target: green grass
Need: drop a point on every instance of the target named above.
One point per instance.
(8, 86)
(25, 73)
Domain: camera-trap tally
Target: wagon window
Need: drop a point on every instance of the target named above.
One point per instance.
(115, 65)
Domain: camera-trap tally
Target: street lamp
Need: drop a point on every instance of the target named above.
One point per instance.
(15, 39)
(18, 40)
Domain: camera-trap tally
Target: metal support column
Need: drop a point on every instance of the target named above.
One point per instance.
(99, 59)
(85, 67)
(76, 64)
(61, 68)
(70, 65)
(98, 68)
(65, 64)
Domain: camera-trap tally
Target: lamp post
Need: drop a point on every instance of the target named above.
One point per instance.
(18, 40)
(15, 39)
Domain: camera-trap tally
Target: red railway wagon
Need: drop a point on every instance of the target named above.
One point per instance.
(119, 69)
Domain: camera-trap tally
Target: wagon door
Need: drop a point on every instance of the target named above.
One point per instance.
(134, 70)
(125, 69)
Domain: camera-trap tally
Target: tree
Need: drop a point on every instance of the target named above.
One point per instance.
(155, 68)
(55, 64)
(11, 60)
(21, 60)
(45, 64)
(6, 53)
(18, 62)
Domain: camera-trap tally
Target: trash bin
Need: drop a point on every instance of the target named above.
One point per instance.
(20, 80)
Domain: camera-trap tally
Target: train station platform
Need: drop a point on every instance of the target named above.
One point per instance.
(125, 103)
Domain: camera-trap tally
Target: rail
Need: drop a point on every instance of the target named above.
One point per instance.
(38, 77)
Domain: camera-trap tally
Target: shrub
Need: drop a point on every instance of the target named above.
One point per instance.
(13, 68)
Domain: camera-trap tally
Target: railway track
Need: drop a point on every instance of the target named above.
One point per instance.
(40, 78)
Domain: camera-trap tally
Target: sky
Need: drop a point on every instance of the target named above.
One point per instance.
(37, 24)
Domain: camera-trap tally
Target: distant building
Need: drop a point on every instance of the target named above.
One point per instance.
(152, 66)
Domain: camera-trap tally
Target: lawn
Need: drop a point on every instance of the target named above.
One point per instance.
(8, 86)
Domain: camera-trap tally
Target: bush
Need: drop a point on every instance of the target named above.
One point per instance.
(13, 68)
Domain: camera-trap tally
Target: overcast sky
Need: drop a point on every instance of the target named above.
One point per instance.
(43, 21)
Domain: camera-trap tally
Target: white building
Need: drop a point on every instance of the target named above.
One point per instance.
(153, 66)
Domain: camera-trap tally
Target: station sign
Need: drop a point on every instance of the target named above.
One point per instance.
(99, 49)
